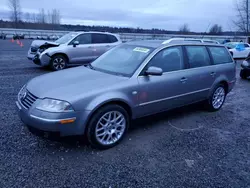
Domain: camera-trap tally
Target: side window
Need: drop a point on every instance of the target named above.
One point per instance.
(197, 56)
(100, 38)
(83, 39)
(246, 45)
(112, 39)
(169, 59)
(220, 55)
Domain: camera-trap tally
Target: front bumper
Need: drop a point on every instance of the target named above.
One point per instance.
(31, 55)
(52, 122)
(42, 59)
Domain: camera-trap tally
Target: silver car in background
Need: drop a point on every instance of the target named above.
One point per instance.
(132, 80)
(75, 48)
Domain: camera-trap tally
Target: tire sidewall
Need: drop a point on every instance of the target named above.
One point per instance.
(93, 123)
(243, 74)
(210, 100)
(52, 60)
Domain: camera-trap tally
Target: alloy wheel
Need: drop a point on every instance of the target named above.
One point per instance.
(218, 97)
(110, 128)
(59, 63)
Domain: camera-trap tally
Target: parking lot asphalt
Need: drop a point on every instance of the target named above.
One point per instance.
(186, 147)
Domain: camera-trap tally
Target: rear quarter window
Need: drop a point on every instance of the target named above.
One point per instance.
(220, 55)
(112, 39)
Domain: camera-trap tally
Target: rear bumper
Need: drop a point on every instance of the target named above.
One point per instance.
(52, 122)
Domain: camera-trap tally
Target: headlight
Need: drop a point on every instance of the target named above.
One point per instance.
(245, 63)
(52, 105)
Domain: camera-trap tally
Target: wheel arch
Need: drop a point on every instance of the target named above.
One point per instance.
(119, 102)
(62, 54)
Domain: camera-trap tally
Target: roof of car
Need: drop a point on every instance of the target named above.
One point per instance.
(159, 43)
(147, 43)
(81, 32)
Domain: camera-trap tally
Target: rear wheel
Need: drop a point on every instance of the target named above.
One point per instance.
(107, 126)
(217, 98)
(58, 62)
(243, 74)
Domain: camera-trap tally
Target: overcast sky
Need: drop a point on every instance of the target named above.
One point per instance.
(163, 14)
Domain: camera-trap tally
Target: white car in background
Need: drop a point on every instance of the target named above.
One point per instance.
(177, 40)
(238, 49)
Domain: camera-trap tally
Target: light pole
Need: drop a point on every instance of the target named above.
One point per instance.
(247, 17)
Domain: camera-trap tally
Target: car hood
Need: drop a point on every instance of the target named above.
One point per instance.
(38, 43)
(71, 83)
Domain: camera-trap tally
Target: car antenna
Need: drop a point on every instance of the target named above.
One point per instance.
(206, 30)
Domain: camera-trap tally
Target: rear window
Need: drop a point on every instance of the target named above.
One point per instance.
(220, 55)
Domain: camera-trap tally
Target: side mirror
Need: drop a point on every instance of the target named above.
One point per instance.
(75, 43)
(154, 71)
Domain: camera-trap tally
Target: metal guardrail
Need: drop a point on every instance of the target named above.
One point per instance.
(124, 36)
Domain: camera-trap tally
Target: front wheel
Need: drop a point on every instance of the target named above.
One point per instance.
(217, 98)
(243, 74)
(108, 126)
(58, 62)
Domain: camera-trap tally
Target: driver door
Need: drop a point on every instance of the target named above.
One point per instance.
(82, 53)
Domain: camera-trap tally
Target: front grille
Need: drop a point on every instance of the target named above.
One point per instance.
(33, 49)
(28, 100)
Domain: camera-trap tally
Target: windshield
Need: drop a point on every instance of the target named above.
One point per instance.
(66, 38)
(122, 60)
(231, 45)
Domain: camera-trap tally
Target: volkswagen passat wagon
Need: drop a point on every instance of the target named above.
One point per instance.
(132, 80)
(75, 48)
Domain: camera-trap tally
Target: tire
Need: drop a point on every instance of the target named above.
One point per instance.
(108, 132)
(243, 74)
(211, 104)
(58, 62)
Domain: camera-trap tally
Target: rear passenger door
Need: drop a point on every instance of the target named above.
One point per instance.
(200, 74)
(101, 43)
(223, 63)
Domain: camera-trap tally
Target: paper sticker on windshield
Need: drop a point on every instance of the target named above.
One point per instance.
(143, 50)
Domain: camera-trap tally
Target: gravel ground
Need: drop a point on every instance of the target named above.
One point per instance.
(187, 147)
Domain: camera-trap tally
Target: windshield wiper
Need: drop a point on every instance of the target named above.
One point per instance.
(90, 66)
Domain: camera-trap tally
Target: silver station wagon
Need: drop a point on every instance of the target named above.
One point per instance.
(132, 80)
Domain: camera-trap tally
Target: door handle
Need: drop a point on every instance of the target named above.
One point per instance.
(183, 80)
(212, 73)
(90, 47)
(108, 46)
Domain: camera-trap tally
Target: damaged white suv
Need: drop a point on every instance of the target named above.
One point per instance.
(75, 48)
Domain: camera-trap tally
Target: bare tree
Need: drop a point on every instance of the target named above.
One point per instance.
(15, 8)
(215, 30)
(27, 17)
(41, 16)
(49, 17)
(242, 21)
(34, 18)
(184, 29)
(56, 16)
